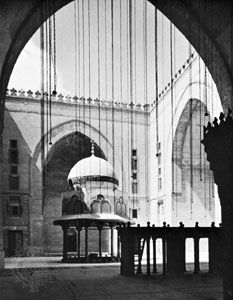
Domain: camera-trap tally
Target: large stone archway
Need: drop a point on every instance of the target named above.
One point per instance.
(66, 128)
(194, 19)
(19, 20)
(62, 157)
(193, 192)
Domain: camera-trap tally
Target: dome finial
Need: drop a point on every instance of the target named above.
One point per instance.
(92, 147)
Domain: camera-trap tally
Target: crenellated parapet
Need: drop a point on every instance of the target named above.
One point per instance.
(176, 77)
(101, 102)
(67, 99)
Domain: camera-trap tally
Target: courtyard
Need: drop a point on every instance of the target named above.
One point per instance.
(47, 278)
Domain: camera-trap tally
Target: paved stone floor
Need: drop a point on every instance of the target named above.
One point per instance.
(53, 281)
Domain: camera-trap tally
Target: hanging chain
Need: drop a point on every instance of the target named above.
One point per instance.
(121, 96)
(146, 97)
(172, 107)
(54, 55)
(191, 122)
(75, 78)
(50, 77)
(113, 87)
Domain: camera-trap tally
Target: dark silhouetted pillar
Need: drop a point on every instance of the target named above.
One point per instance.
(118, 243)
(164, 249)
(86, 243)
(65, 242)
(148, 249)
(196, 255)
(215, 250)
(218, 142)
(176, 253)
(112, 254)
(127, 250)
(154, 256)
(78, 240)
(100, 241)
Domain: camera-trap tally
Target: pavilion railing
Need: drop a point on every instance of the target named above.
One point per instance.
(138, 240)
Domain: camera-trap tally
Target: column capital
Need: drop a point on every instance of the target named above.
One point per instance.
(65, 227)
(79, 227)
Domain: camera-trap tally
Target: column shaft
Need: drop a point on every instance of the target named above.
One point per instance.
(100, 242)
(65, 243)
(196, 255)
(86, 243)
(112, 254)
(154, 256)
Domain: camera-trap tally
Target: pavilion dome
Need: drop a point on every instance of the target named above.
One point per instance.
(92, 168)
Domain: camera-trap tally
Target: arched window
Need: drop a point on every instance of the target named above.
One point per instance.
(95, 207)
(118, 208)
(105, 207)
(123, 209)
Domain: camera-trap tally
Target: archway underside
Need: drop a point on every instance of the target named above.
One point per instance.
(62, 157)
(193, 187)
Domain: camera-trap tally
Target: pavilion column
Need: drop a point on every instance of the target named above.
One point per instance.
(118, 243)
(86, 242)
(100, 241)
(79, 228)
(65, 242)
(111, 229)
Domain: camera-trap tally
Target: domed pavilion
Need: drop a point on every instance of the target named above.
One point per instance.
(92, 208)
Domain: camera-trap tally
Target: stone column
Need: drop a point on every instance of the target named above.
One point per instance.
(196, 256)
(164, 249)
(118, 243)
(65, 244)
(86, 243)
(154, 256)
(196, 250)
(226, 196)
(148, 249)
(112, 254)
(100, 241)
(1, 188)
(127, 250)
(138, 239)
(176, 253)
(218, 142)
(79, 228)
(215, 249)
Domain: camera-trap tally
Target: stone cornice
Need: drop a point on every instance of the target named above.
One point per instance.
(89, 102)
(176, 77)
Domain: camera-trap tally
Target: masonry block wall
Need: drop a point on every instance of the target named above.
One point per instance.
(23, 123)
(134, 129)
(171, 192)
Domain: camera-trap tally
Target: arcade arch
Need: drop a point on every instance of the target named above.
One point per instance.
(193, 190)
(67, 128)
